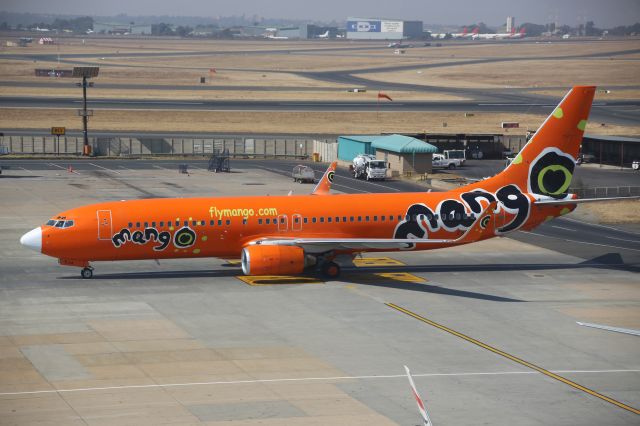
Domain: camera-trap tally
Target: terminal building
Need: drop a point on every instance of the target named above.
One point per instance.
(382, 29)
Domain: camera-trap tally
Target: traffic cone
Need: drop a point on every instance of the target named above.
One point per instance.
(70, 169)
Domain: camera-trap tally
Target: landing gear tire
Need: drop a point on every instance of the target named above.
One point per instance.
(86, 273)
(330, 269)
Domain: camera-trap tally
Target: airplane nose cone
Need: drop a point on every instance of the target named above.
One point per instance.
(33, 239)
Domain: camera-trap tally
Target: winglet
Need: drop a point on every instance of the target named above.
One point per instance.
(421, 407)
(324, 185)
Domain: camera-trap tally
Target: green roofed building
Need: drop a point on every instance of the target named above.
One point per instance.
(403, 153)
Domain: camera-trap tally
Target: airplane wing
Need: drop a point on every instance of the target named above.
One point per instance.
(422, 408)
(482, 227)
(324, 185)
(551, 202)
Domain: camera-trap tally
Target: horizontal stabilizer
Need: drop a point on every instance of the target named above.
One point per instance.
(581, 200)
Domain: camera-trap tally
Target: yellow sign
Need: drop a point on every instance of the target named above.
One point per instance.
(58, 131)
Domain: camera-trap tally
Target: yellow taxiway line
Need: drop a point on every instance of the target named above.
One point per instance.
(514, 358)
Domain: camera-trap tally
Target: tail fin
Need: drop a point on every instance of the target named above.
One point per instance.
(476, 30)
(545, 165)
(324, 185)
(464, 31)
(421, 407)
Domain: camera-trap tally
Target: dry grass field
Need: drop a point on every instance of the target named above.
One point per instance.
(284, 122)
(601, 72)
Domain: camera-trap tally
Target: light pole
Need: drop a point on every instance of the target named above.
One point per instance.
(85, 73)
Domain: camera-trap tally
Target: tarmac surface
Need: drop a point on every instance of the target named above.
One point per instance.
(186, 342)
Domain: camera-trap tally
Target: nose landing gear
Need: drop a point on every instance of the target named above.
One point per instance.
(86, 272)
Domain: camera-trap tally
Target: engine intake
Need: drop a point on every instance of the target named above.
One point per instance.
(272, 260)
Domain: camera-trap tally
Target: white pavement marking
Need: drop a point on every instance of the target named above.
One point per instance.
(28, 171)
(159, 167)
(582, 242)
(622, 239)
(104, 168)
(566, 229)
(602, 226)
(63, 168)
(310, 379)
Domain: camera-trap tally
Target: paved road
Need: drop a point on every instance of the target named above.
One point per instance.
(608, 245)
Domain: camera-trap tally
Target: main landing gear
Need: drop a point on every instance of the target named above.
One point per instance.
(330, 269)
(86, 272)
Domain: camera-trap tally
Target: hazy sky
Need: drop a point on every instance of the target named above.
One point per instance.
(605, 13)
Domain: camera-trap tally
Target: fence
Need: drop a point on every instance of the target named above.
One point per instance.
(605, 192)
(122, 146)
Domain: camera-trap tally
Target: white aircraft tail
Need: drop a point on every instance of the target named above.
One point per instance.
(422, 408)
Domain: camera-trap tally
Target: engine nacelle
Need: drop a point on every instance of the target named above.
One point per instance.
(272, 260)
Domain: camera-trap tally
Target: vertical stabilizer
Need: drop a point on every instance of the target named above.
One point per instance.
(545, 165)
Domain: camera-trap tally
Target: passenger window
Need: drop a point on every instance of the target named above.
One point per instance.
(435, 216)
(137, 224)
(313, 220)
(391, 217)
(351, 219)
(212, 222)
(429, 217)
(329, 219)
(382, 218)
(228, 222)
(268, 221)
(162, 224)
(186, 223)
(344, 218)
(306, 220)
(375, 218)
(337, 219)
(399, 218)
(194, 223)
(177, 223)
(259, 221)
(366, 218)
(359, 218)
(282, 220)
(146, 224)
(322, 219)
(244, 220)
(220, 222)
(130, 225)
(296, 219)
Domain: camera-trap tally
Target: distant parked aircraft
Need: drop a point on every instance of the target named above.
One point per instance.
(325, 35)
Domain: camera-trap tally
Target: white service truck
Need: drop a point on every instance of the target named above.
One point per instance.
(366, 166)
(449, 159)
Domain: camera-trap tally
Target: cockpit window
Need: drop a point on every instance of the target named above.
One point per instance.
(60, 224)
(68, 224)
(51, 222)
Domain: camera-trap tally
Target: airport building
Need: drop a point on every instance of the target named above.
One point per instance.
(120, 28)
(382, 29)
(404, 154)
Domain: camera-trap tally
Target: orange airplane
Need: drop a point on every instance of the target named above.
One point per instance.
(284, 235)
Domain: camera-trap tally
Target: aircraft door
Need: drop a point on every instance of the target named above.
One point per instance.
(283, 223)
(105, 230)
(296, 222)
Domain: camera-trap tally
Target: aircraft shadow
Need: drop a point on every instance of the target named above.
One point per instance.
(204, 273)
(5, 176)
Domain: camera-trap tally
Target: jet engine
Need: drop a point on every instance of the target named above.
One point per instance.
(273, 260)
